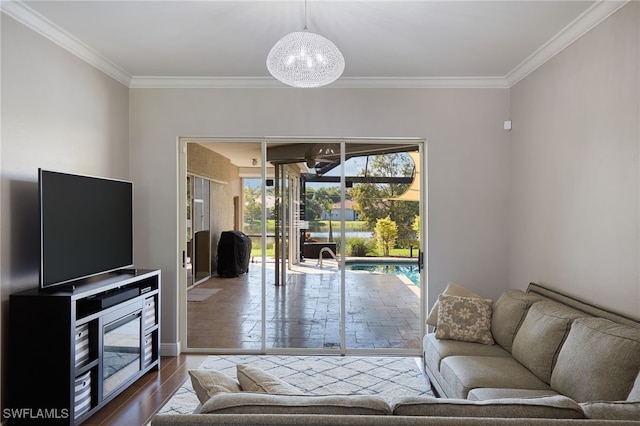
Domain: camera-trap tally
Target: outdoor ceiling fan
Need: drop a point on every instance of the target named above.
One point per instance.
(322, 153)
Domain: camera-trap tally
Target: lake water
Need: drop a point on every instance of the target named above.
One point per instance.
(323, 236)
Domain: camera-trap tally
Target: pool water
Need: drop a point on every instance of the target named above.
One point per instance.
(409, 270)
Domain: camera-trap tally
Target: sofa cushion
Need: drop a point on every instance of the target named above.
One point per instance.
(617, 410)
(466, 319)
(539, 339)
(452, 289)
(463, 373)
(553, 407)
(263, 403)
(435, 350)
(208, 382)
(508, 313)
(599, 361)
(253, 379)
(483, 394)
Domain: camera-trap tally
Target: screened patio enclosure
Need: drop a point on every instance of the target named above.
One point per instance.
(301, 292)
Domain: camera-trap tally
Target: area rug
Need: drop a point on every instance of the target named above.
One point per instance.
(201, 294)
(388, 377)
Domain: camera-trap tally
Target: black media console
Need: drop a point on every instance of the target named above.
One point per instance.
(71, 352)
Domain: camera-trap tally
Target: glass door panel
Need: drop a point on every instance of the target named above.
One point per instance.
(303, 293)
(382, 281)
(201, 244)
(224, 312)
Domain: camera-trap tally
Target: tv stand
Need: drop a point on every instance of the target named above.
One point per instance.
(85, 344)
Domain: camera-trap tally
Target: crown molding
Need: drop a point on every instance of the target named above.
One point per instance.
(598, 12)
(341, 83)
(593, 16)
(38, 23)
(421, 82)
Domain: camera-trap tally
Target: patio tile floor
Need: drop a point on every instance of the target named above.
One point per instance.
(382, 311)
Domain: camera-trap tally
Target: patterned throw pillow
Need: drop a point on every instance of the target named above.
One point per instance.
(464, 318)
(452, 289)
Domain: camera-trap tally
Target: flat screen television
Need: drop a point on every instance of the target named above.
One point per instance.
(86, 226)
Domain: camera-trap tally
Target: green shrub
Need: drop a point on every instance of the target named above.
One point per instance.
(386, 234)
(359, 247)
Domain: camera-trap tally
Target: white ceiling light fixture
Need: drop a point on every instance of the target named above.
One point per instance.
(305, 59)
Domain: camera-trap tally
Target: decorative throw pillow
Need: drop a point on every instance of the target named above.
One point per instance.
(464, 318)
(253, 379)
(452, 289)
(208, 382)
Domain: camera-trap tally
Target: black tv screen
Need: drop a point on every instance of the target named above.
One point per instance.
(86, 226)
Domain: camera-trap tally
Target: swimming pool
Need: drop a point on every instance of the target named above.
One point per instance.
(408, 269)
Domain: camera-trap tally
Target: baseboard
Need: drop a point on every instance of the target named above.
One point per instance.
(170, 349)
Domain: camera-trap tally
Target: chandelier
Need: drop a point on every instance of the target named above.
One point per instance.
(305, 59)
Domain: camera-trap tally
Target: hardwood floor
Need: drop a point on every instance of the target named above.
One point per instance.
(138, 404)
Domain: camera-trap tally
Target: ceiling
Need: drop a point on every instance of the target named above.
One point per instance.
(385, 43)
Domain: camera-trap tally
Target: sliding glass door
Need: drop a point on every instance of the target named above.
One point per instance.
(224, 312)
(336, 229)
(382, 274)
(303, 304)
(198, 232)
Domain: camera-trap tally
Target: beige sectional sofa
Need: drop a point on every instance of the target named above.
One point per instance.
(546, 344)
(249, 408)
(555, 361)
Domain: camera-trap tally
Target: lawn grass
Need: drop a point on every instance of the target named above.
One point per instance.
(256, 251)
(397, 252)
(323, 226)
(314, 226)
(349, 226)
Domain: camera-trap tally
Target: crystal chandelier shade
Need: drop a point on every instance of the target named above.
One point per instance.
(305, 59)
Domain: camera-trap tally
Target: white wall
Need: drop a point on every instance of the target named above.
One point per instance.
(57, 113)
(467, 165)
(575, 169)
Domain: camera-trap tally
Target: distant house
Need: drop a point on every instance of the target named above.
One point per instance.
(349, 211)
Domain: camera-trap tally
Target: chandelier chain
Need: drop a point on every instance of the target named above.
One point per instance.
(305, 15)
